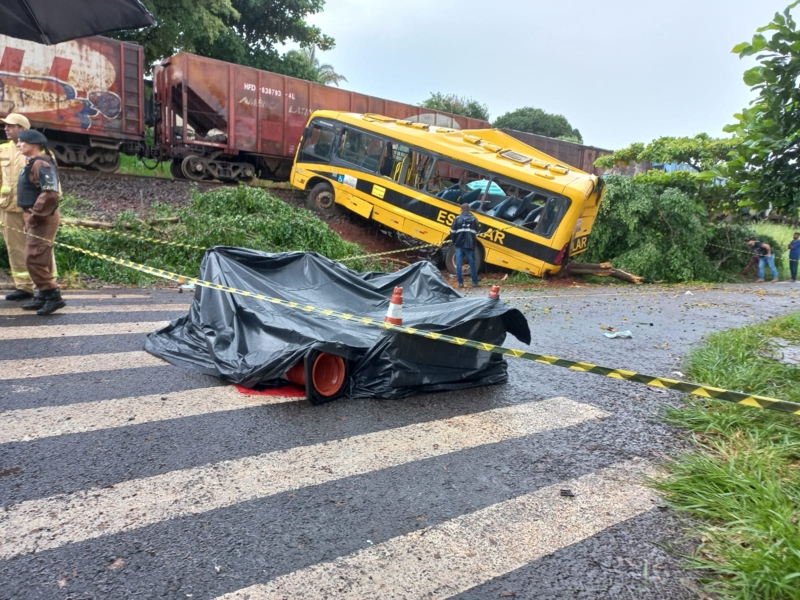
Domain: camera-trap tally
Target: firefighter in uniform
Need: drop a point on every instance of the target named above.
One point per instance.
(11, 165)
(38, 195)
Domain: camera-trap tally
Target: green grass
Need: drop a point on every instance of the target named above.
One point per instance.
(229, 216)
(741, 481)
(783, 234)
(133, 166)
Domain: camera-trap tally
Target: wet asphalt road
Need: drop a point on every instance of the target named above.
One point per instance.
(225, 492)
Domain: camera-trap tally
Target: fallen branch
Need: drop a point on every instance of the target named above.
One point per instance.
(602, 270)
(104, 225)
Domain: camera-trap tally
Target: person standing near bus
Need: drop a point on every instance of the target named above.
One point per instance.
(766, 258)
(38, 195)
(11, 164)
(464, 235)
(794, 256)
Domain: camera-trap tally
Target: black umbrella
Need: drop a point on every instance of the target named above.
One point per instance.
(54, 21)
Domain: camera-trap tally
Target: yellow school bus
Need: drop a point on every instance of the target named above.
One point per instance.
(413, 177)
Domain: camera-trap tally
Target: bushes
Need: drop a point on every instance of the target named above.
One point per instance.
(245, 217)
(665, 235)
(659, 236)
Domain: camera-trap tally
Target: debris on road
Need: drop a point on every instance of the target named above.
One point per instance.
(602, 270)
(624, 335)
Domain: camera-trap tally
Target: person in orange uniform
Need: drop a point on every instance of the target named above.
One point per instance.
(38, 195)
(11, 165)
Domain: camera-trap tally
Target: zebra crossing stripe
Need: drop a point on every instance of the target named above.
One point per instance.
(89, 363)
(47, 523)
(62, 331)
(103, 308)
(444, 560)
(75, 295)
(35, 423)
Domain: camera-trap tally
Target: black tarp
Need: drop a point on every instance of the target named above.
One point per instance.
(55, 21)
(254, 343)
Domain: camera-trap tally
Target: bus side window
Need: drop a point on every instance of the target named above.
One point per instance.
(361, 149)
(402, 158)
(317, 144)
(550, 217)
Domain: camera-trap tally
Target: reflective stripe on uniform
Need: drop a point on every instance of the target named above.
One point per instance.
(20, 274)
(5, 189)
(467, 230)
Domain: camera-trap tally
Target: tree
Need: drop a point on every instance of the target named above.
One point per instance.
(702, 153)
(535, 120)
(657, 235)
(457, 105)
(245, 32)
(321, 73)
(765, 163)
(661, 234)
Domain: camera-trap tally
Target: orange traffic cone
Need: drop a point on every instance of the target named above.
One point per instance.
(395, 313)
(495, 291)
(328, 374)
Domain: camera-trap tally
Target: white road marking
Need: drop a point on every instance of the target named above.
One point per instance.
(66, 365)
(444, 560)
(102, 308)
(35, 423)
(91, 296)
(58, 331)
(41, 524)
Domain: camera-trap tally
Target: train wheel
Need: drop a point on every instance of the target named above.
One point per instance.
(322, 198)
(107, 162)
(175, 170)
(193, 167)
(450, 260)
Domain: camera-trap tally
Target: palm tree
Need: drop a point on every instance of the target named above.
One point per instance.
(324, 73)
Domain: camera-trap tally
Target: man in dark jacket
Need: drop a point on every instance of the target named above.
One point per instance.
(464, 233)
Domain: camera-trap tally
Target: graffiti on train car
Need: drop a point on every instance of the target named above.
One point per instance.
(71, 84)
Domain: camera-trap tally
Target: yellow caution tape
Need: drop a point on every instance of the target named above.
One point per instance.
(392, 252)
(703, 391)
(749, 252)
(131, 236)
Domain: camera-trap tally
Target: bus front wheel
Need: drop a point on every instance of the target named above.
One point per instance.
(450, 260)
(322, 198)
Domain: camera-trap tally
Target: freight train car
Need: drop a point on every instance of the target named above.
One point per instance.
(212, 119)
(224, 121)
(87, 96)
(575, 155)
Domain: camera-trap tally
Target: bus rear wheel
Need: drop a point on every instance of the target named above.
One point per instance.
(450, 260)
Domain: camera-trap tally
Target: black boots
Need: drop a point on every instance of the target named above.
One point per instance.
(18, 295)
(46, 302)
(36, 303)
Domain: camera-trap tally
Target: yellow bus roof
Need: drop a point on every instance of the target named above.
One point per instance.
(488, 149)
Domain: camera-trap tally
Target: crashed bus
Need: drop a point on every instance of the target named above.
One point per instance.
(534, 213)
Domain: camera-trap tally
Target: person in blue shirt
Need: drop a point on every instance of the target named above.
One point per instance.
(794, 256)
(464, 233)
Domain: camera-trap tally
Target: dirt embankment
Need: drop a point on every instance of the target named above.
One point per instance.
(112, 194)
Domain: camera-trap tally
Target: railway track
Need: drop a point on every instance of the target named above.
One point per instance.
(279, 185)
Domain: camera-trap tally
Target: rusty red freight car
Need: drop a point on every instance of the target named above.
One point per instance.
(224, 121)
(86, 95)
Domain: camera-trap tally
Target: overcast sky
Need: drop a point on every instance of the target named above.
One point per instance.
(621, 71)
